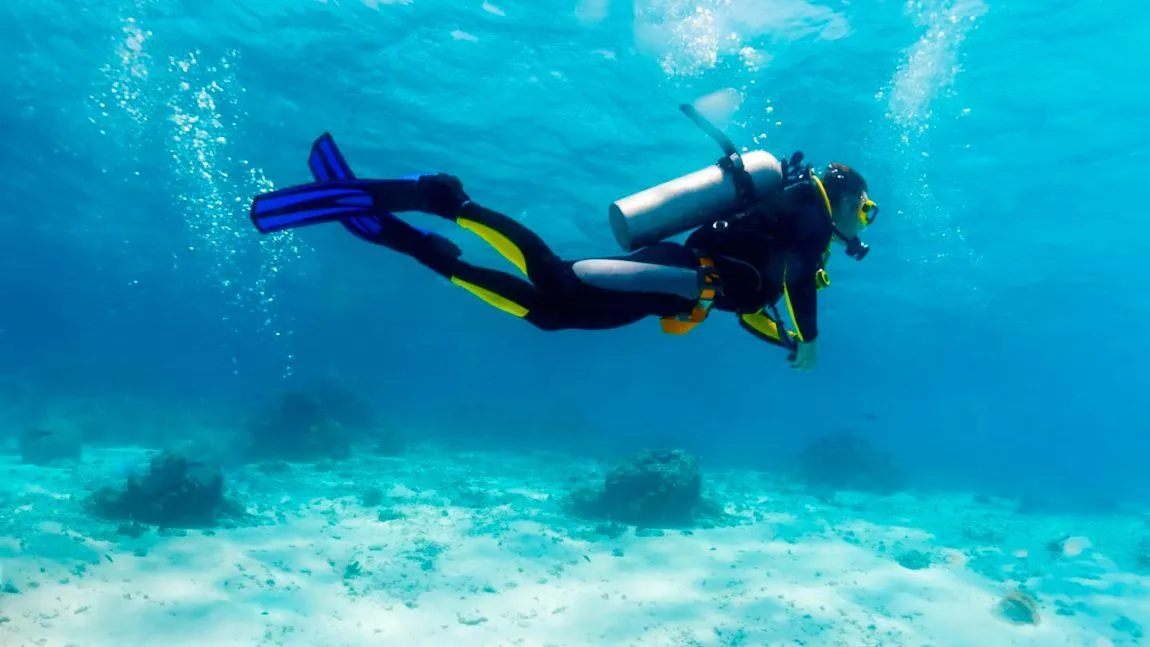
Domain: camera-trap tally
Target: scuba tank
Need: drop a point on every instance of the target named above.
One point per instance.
(730, 185)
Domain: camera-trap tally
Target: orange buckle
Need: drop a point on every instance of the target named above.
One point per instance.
(682, 323)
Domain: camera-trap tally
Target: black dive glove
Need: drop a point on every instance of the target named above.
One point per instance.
(794, 171)
(441, 194)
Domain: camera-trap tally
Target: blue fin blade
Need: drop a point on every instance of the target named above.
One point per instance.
(369, 227)
(309, 204)
(327, 162)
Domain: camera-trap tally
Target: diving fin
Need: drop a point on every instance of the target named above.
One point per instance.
(327, 162)
(338, 195)
(309, 204)
(335, 196)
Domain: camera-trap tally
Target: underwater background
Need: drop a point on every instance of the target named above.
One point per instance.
(992, 342)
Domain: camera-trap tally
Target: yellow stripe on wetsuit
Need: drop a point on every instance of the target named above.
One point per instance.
(790, 308)
(508, 250)
(501, 302)
(501, 243)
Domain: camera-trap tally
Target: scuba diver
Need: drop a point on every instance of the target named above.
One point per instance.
(762, 231)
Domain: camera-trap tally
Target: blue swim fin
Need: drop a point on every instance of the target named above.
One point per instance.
(314, 203)
(309, 204)
(337, 195)
(327, 163)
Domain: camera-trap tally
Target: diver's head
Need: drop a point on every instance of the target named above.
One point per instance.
(852, 210)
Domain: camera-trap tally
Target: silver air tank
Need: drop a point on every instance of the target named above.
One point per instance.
(689, 201)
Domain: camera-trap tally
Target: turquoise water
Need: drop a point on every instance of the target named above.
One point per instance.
(991, 342)
(992, 333)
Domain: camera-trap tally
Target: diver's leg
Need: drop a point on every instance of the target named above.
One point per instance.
(664, 268)
(662, 280)
(566, 302)
(443, 195)
(572, 295)
(512, 239)
(427, 247)
(504, 291)
(598, 294)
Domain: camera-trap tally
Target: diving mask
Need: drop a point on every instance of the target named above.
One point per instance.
(867, 212)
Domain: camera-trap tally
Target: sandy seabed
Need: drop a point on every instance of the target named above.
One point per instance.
(476, 550)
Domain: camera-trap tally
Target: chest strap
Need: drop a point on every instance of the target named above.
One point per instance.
(681, 324)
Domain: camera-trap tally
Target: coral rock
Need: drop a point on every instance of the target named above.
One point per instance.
(172, 491)
(653, 488)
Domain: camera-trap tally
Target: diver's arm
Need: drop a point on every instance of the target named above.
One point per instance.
(801, 294)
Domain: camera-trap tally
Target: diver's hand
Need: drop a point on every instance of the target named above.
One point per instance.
(442, 194)
(794, 171)
(806, 356)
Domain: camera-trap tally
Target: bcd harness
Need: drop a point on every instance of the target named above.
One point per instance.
(710, 283)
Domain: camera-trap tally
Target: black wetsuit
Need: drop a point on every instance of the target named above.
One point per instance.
(783, 243)
(756, 257)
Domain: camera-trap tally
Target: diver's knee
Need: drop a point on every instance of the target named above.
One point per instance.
(547, 319)
(438, 254)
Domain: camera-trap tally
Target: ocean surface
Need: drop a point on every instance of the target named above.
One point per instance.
(989, 350)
